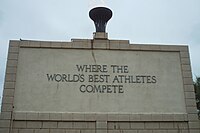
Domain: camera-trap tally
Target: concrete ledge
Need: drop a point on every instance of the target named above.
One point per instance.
(102, 43)
(99, 117)
(110, 127)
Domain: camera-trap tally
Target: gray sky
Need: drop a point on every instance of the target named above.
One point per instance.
(140, 21)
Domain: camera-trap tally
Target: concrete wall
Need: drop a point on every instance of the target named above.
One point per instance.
(18, 121)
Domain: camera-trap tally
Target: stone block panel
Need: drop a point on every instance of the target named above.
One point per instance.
(114, 44)
(41, 130)
(50, 125)
(194, 125)
(101, 125)
(45, 44)
(7, 99)
(14, 43)
(4, 123)
(43, 116)
(137, 125)
(189, 88)
(19, 124)
(6, 107)
(11, 70)
(135, 117)
(55, 116)
(32, 116)
(79, 44)
(26, 130)
(4, 130)
(10, 77)
(19, 116)
(8, 92)
(186, 67)
(190, 95)
(13, 50)
(191, 110)
(79, 125)
(187, 81)
(184, 54)
(35, 44)
(34, 124)
(56, 45)
(66, 45)
(151, 125)
(193, 117)
(185, 61)
(78, 117)
(5, 115)
(100, 44)
(13, 56)
(12, 63)
(67, 125)
(9, 85)
(187, 74)
(67, 116)
(190, 103)
(100, 35)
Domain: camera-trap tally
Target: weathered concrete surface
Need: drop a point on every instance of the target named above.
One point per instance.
(35, 93)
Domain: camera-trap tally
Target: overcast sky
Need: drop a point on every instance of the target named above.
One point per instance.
(140, 21)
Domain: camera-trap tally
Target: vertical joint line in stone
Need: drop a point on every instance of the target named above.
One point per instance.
(92, 44)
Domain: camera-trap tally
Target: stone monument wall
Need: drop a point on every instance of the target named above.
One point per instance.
(98, 86)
